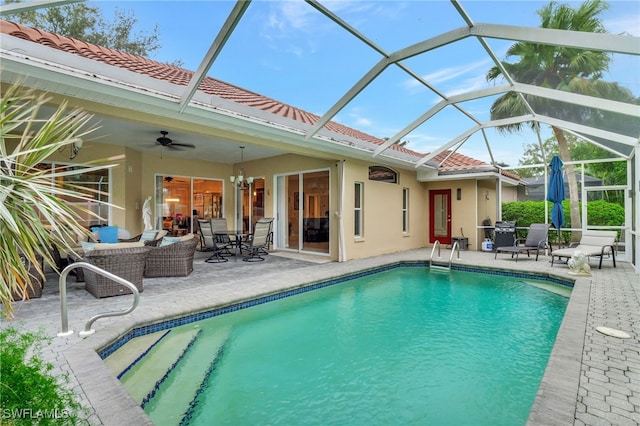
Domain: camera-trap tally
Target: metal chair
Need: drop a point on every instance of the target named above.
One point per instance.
(258, 243)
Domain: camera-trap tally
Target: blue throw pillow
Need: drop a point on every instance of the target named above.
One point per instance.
(87, 246)
(169, 240)
(149, 235)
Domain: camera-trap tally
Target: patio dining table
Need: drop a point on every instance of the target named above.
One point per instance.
(238, 237)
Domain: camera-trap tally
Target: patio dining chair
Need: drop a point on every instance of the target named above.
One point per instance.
(258, 243)
(222, 239)
(208, 242)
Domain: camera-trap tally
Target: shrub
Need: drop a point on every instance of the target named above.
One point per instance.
(29, 393)
(599, 213)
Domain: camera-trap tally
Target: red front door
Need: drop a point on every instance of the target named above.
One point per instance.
(440, 216)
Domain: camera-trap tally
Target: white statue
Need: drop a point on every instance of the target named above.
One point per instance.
(146, 214)
(578, 264)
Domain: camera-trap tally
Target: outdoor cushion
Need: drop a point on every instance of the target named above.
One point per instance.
(170, 240)
(108, 246)
(149, 235)
(592, 243)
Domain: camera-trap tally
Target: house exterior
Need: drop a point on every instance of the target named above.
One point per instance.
(533, 189)
(329, 196)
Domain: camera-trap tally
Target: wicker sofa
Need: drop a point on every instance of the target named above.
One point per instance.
(124, 261)
(172, 260)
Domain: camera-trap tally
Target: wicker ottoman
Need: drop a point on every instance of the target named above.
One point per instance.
(127, 263)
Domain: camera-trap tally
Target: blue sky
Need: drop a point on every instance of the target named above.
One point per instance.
(290, 52)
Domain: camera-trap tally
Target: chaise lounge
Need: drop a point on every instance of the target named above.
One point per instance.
(536, 240)
(592, 243)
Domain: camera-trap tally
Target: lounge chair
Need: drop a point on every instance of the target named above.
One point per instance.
(536, 240)
(172, 260)
(592, 243)
(258, 243)
(127, 263)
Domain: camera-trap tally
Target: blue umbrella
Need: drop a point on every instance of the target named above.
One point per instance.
(555, 194)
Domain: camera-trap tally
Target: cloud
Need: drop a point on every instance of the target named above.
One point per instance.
(628, 24)
(449, 74)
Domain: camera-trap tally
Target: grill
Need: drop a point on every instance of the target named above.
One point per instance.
(505, 234)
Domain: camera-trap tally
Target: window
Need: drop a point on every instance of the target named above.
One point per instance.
(382, 174)
(93, 208)
(357, 214)
(405, 210)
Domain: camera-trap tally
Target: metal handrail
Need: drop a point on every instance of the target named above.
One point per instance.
(436, 244)
(456, 247)
(62, 282)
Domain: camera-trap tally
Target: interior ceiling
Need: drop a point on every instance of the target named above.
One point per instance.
(474, 124)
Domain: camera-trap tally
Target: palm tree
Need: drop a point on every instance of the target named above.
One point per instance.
(33, 211)
(563, 68)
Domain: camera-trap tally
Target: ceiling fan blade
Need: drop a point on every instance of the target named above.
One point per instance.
(187, 145)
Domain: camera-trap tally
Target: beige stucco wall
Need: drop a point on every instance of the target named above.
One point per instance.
(509, 194)
(133, 180)
(382, 204)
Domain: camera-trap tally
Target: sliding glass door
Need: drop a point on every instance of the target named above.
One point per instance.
(182, 200)
(303, 211)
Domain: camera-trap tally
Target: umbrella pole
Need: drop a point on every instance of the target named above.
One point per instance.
(559, 239)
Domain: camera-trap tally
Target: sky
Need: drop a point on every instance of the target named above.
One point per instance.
(290, 52)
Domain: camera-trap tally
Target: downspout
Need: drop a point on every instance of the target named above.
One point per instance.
(342, 251)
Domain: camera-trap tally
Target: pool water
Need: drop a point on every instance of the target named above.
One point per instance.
(401, 347)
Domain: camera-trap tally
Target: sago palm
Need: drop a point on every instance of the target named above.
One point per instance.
(563, 68)
(33, 213)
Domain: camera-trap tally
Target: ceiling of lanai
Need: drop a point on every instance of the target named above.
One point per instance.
(396, 71)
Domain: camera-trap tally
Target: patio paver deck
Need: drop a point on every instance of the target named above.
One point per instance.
(591, 378)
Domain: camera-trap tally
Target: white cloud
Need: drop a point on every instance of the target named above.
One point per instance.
(629, 24)
(453, 74)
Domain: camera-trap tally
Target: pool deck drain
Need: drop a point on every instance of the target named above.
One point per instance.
(591, 378)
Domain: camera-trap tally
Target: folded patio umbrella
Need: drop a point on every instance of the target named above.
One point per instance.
(555, 194)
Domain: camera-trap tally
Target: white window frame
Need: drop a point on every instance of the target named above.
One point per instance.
(405, 210)
(358, 223)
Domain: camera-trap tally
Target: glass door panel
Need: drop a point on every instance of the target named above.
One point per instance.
(292, 188)
(315, 211)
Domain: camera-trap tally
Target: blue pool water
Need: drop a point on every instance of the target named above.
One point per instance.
(401, 347)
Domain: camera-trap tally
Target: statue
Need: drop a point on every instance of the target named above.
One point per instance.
(146, 214)
(578, 264)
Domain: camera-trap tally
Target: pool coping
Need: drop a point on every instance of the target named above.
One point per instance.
(554, 403)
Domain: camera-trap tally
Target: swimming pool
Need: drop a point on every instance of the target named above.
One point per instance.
(404, 346)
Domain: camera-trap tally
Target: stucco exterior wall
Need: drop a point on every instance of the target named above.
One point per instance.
(133, 179)
(382, 213)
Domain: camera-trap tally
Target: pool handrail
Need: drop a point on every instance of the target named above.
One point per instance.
(435, 244)
(62, 283)
(454, 249)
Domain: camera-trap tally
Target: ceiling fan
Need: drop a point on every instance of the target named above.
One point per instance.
(166, 142)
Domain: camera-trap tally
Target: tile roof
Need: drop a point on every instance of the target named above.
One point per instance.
(212, 86)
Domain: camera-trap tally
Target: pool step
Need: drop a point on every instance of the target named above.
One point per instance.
(143, 377)
(131, 352)
(187, 377)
